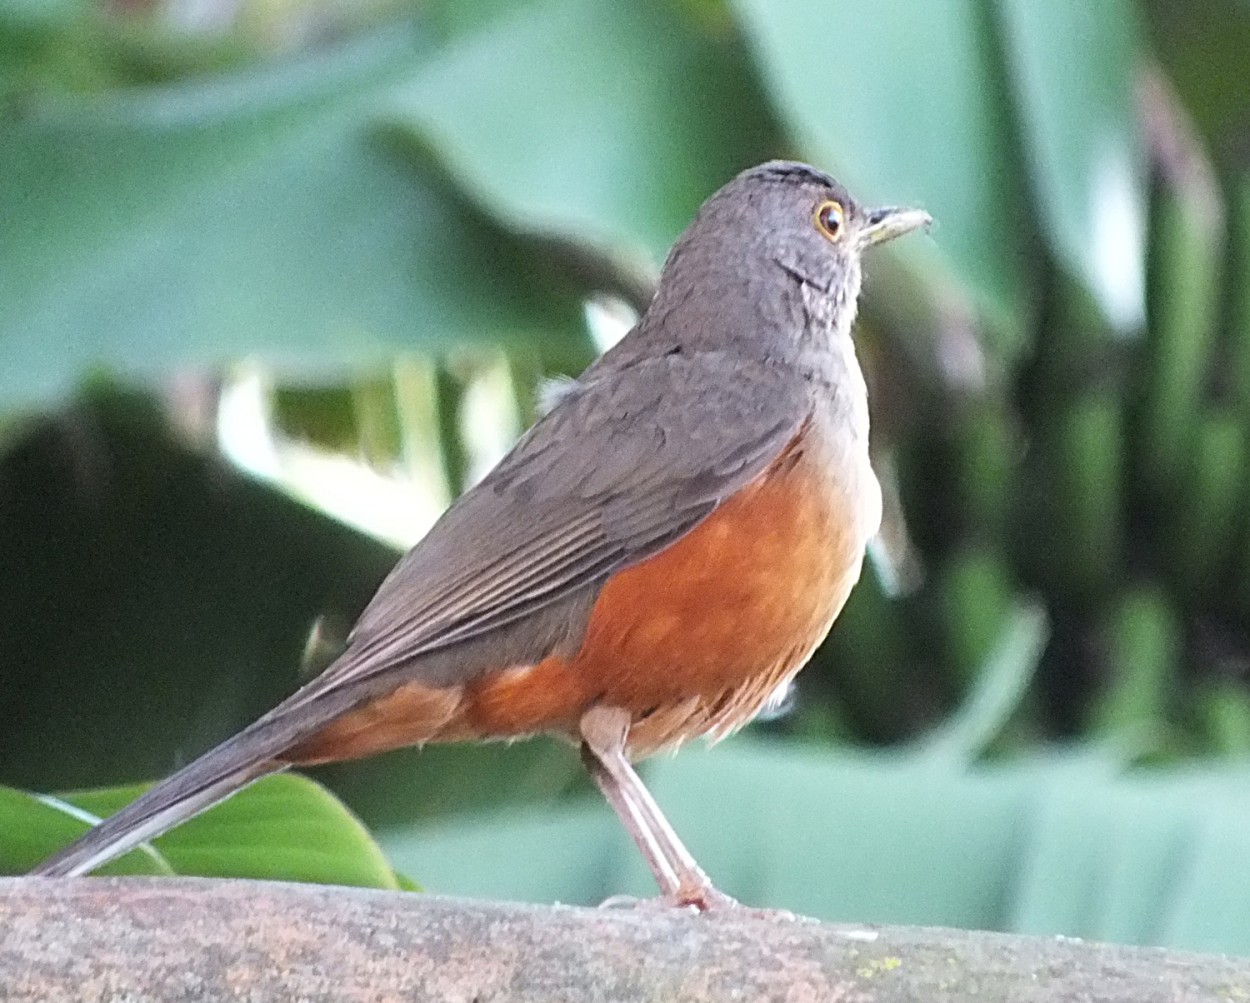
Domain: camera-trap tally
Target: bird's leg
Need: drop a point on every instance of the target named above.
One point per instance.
(682, 881)
(633, 821)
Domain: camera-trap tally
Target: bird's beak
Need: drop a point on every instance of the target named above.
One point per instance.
(886, 224)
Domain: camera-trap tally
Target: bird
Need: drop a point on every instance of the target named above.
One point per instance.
(656, 557)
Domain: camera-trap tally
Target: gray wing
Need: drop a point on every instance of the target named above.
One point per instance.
(623, 466)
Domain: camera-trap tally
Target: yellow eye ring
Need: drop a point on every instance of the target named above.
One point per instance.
(829, 218)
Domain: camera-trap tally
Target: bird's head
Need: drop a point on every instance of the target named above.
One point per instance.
(776, 235)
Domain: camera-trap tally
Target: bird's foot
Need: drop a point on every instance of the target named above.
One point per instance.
(701, 899)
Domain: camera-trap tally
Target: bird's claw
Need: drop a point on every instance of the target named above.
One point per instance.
(701, 900)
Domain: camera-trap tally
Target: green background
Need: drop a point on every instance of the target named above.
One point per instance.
(1034, 713)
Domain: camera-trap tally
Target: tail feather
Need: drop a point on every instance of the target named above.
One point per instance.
(140, 821)
(220, 772)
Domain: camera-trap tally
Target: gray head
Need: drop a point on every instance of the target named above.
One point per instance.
(771, 257)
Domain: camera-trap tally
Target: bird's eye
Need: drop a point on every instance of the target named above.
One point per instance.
(829, 219)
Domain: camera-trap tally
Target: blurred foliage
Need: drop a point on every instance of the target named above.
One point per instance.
(283, 828)
(397, 213)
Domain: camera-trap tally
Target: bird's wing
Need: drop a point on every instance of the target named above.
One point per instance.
(622, 467)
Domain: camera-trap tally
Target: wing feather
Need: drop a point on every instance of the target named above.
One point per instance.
(621, 468)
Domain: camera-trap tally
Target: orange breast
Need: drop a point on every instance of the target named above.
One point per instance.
(696, 638)
(690, 641)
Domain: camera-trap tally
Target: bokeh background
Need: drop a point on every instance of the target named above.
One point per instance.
(279, 277)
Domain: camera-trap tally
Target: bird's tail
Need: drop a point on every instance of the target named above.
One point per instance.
(177, 799)
(220, 772)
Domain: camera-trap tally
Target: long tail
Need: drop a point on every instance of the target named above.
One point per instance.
(220, 772)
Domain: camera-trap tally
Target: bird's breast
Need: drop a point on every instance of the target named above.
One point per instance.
(695, 639)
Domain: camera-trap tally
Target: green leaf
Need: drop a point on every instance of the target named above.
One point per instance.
(1073, 66)
(1223, 712)
(455, 18)
(32, 828)
(284, 827)
(1188, 249)
(1088, 442)
(900, 101)
(614, 158)
(1202, 46)
(1143, 639)
(157, 229)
